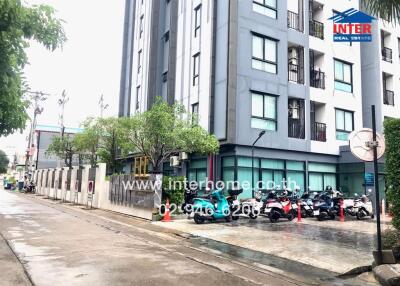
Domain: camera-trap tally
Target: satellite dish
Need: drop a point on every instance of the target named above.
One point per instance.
(361, 144)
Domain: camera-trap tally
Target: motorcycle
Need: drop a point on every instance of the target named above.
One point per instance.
(234, 204)
(277, 207)
(212, 209)
(324, 206)
(306, 205)
(363, 207)
(189, 195)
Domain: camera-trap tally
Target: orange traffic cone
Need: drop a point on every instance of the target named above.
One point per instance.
(167, 216)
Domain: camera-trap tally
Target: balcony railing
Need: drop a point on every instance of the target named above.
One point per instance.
(296, 73)
(317, 79)
(388, 97)
(317, 29)
(296, 129)
(293, 20)
(318, 131)
(387, 54)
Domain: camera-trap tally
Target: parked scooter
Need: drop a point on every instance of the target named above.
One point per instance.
(279, 207)
(306, 205)
(212, 209)
(324, 206)
(189, 195)
(234, 204)
(363, 207)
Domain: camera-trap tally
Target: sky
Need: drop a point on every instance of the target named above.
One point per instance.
(88, 65)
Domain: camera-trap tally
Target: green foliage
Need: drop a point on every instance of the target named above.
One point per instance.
(161, 132)
(87, 142)
(3, 162)
(18, 25)
(392, 166)
(391, 240)
(63, 148)
(385, 9)
(173, 189)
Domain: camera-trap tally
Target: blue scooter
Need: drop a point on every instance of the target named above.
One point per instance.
(324, 206)
(212, 209)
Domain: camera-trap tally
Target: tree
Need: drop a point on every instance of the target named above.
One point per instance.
(162, 131)
(18, 25)
(64, 148)
(87, 142)
(392, 167)
(3, 162)
(385, 9)
(109, 130)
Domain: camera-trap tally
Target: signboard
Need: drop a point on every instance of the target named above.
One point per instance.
(369, 179)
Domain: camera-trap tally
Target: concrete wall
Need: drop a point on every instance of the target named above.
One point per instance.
(101, 196)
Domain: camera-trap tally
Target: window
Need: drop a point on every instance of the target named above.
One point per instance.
(197, 20)
(139, 64)
(137, 97)
(344, 124)
(264, 55)
(195, 113)
(197, 172)
(141, 26)
(141, 166)
(343, 76)
(196, 69)
(321, 175)
(263, 111)
(265, 7)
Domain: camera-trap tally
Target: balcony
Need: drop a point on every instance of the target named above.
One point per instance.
(295, 73)
(296, 129)
(317, 79)
(293, 21)
(388, 97)
(318, 132)
(387, 54)
(317, 29)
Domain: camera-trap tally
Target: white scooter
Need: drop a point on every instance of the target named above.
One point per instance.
(363, 207)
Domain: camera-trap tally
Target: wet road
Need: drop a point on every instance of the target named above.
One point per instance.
(64, 245)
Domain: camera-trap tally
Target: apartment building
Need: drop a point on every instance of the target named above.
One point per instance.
(249, 66)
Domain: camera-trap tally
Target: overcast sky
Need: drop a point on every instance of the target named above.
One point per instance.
(88, 66)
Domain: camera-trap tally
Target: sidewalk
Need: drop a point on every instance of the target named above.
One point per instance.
(331, 245)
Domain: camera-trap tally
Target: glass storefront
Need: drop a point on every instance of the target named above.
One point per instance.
(321, 175)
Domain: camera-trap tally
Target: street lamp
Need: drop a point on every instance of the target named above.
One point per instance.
(252, 160)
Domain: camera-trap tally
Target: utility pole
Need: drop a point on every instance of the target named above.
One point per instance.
(61, 102)
(102, 105)
(36, 97)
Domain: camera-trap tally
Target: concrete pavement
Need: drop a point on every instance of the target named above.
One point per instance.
(65, 245)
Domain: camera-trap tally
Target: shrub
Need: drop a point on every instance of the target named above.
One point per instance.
(391, 240)
(174, 192)
(392, 138)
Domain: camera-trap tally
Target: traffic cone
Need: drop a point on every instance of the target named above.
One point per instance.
(341, 210)
(298, 212)
(167, 215)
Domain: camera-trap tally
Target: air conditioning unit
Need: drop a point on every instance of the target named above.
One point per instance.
(183, 156)
(174, 161)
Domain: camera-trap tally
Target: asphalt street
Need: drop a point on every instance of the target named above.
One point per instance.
(45, 242)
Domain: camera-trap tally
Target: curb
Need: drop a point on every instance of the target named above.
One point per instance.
(356, 271)
(387, 275)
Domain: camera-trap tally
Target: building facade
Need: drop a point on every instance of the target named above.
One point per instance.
(264, 65)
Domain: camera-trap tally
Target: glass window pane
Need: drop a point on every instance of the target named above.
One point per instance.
(257, 47)
(246, 162)
(228, 162)
(245, 175)
(348, 121)
(339, 119)
(257, 105)
(272, 164)
(295, 179)
(347, 73)
(294, 165)
(339, 70)
(271, 3)
(270, 50)
(263, 124)
(267, 177)
(315, 182)
(330, 180)
(322, 167)
(228, 175)
(270, 106)
(196, 164)
(278, 179)
(344, 136)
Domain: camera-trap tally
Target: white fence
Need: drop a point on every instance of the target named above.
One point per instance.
(88, 186)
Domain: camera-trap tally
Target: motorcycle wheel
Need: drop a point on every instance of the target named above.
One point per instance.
(359, 215)
(303, 213)
(320, 217)
(274, 216)
(252, 216)
(235, 217)
(290, 217)
(332, 216)
(198, 219)
(229, 218)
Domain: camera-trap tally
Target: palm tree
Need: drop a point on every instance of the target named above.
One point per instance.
(385, 9)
